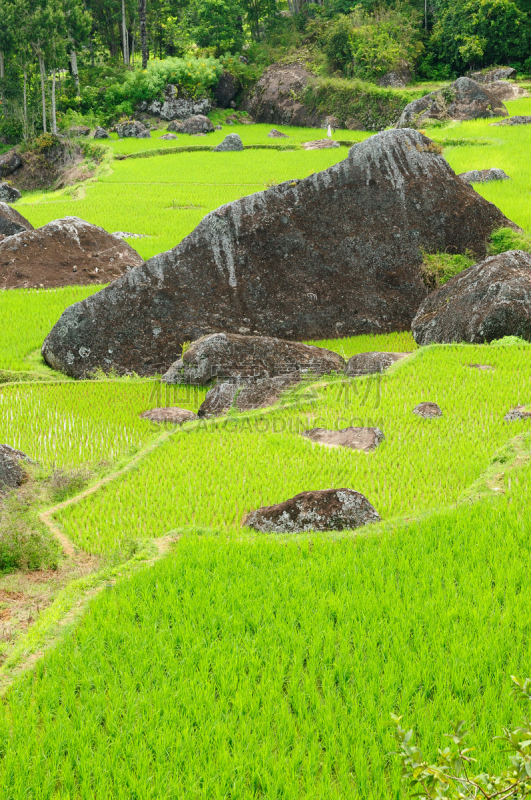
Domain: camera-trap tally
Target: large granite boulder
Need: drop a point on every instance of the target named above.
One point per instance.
(226, 90)
(12, 222)
(463, 99)
(133, 130)
(277, 97)
(12, 472)
(9, 162)
(193, 125)
(231, 356)
(231, 143)
(336, 254)
(258, 394)
(324, 510)
(487, 301)
(370, 363)
(176, 106)
(8, 194)
(62, 253)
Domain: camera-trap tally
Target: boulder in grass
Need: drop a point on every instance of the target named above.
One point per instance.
(341, 250)
(320, 144)
(323, 510)
(9, 162)
(494, 74)
(62, 253)
(226, 90)
(8, 194)
(133, 130)
(12, 222)
(370, 363)
(274, 134)
(487, 301)
(461, 100)
(353, 438)
(519, 412)
(231, 143)
(171, 414)
(192, 126)
(504, 91)
(101, 133)
(232, 356)
(169, 136)
(484, 175)
(517, 120)
(428, 410)
(12, 472)
(259, 394)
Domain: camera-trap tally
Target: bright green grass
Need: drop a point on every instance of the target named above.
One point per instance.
(268, 669)
(213, 474)
(26, 318)
(402, 342)
(165, 197)
(67, 424)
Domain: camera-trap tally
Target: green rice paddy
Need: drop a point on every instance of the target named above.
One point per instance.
(266, 667)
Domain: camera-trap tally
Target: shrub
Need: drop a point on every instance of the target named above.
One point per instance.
(508, 239)
(11, 130)
(24, 542)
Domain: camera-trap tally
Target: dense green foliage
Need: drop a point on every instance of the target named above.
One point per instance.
(267, 669)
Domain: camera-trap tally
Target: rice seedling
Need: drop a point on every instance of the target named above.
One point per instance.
(267, 669)
(422, 464)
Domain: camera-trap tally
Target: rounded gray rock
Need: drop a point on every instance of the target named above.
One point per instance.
(231, 142)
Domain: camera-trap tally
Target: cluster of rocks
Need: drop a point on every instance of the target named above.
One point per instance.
(176, 105)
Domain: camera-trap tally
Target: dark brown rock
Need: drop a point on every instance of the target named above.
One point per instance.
(484, 175)
(8, 194)
(226, 90)
(427, 410)
(260, 394)
(354, 438)
(519, 412)
(463, 99)
(12, 472)
(320, 144)
(12, 222)
(369, 363)
(193, 125)
(274, 134)
(277, 97)
(518, 120)
(337, 253)
(9, 162)
(47, 256)
(231, 356)
(487, 301)
(171, 414)
(325, 510)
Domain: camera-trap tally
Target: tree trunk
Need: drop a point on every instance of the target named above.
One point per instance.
(25, 102)
(2, 76)
(143, 32)
(54, 117)
(75, 73)
(43, 93)
(125, 39)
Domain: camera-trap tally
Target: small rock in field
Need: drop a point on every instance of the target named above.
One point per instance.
(100, 133)
(125, 235)
(231, 142)
(260, 394)
(484, 175)
(518, 120)
(199, 123)
(427, 410)
(12, 222)
(353, 438)
(217, 128)
(482, 367)
(369, 363)
(12, 473)
(133, 130)
(320, 144)
(168, 136)
(519, 412)
(274, 134)
(324, 510)
(8, 194)
(170, 414)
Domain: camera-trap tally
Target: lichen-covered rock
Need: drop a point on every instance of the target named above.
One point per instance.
(175, 106)
(12, 222)
(369, 363)
(484, 175)
(518, 120)
(12, 472)
(487, 301)
(133, 130)
(397, 78)
(504, 90)
(171, 414)
(169, 136)
(336, 254)
(517, 413)
(193, 125)
(62, 253)
(9, 162)
(494, 74)
(226, 90)
(324, 510)
(245, 397)
(231, 142)
(463, 99)
(353, 438)
(320, 144)
(8, 194)
(100, 133)
(428, 410)
(277, 97)
(232, 356)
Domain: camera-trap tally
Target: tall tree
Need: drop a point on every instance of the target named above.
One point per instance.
(78, 26)
(143, 32)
